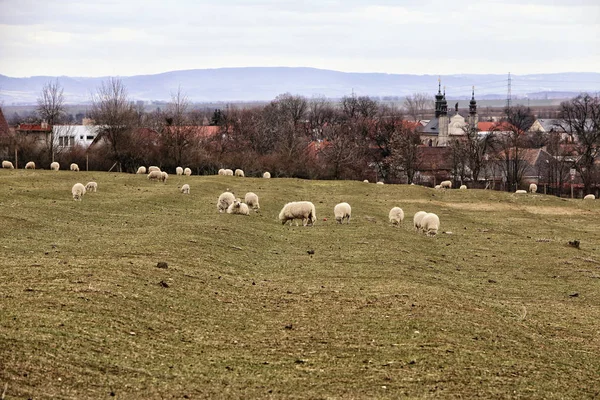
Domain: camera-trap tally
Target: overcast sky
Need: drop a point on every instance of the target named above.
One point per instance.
(121, 37)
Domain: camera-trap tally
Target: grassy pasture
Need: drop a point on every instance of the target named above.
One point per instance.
(500, 306)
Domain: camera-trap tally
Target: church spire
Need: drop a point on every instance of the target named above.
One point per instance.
(444, 104)
(473, 103)
(439, 97)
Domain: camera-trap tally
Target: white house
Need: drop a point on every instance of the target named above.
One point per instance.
(66, 136)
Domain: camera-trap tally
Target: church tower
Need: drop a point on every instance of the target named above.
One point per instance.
(473, 117)
(438, 100)
(443, 121)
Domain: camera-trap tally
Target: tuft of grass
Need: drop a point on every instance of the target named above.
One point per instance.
(499, 305)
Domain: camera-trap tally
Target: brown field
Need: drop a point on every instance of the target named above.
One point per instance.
(498, 305)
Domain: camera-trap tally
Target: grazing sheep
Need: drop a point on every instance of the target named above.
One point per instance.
(141, 170)
(417, 219)
(267, 175)
(304, 210)
(164, 176)
(225, 200)
(589, 197)
(185, 189)
(252, 200)
(153, 168)
(239, 172)
(179, 171)
(238, 207)
(380, 183)
(155, 175)
(221, 172)
(74, 167)
(532, 188)
(228, 172)
(366, 181)
(430, 224)
(55, 166)
(30, 165)
(396, 216)
(463, 187)
(437, 187)
(91, 187)
(78, 191)
(521, 192)
(7, 165)
(187, 172)
(341, 211)
(446, 184)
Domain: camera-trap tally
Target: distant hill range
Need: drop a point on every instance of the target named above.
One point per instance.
(265, 83)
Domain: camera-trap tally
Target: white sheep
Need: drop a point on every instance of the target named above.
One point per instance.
(221, 172)
(267, 175)
(304, 210)
(30, 165)
(396, 216)
(417, 219)
(179, 171)
(228, 172)
(155, 175)
(185, 189)
(141, 170)
(366, 181)
(164, 176)
(78, 191)
(224, 201)
(430, 224)
(7, 165)
(437, 187)
(520, 191)
(589, 197)
(91, 187)
(74, 167)
(342, 211)
(463, 187)
(187, 172)
(252, 200)
(55, 166)
(153, 168)
(380, 183)
(446, 184)
(238, 207)
(532, 188)
(239, 172)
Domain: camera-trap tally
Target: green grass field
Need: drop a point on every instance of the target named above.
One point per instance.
(498, 305)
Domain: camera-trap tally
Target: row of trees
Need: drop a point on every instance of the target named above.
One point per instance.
(355, 138)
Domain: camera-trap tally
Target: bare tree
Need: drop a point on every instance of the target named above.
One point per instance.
(178, 134)
(343, 149)
(477, 147)
(511, 141)
(580, 117)
(519, 116)
(418, 105)
(291, 113)
(51, 109)
(405, 150)
(320, 114)
(115, 113)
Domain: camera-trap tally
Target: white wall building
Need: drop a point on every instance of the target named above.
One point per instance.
(66, 136)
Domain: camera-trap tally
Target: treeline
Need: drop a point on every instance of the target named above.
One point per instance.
(356, 137)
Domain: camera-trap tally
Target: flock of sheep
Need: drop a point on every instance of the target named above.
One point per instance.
(306, 212)
(303, 210)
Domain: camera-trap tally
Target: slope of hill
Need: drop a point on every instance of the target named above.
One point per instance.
(256, 83)
(497, 306)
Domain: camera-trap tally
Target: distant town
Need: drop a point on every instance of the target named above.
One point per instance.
(420, 138)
